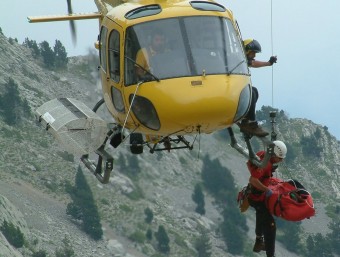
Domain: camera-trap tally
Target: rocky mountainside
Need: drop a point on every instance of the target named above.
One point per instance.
(34, 171)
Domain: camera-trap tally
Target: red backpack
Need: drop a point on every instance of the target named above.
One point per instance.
(290, 200)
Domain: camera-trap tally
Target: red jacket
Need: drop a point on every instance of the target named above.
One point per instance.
(262, 174)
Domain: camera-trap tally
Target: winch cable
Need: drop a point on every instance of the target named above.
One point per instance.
(272, 47)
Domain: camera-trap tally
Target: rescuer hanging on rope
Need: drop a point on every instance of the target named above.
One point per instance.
(249, 124)
(265, 228)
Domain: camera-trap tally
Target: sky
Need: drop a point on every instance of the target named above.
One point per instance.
(17, 26)
(304, 35)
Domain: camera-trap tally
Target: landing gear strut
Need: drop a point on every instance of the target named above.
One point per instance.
(249, 152)
(104, 164)
(102, 170)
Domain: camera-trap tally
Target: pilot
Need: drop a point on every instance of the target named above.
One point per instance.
(265, 227)
(144, 55)
(249, 124)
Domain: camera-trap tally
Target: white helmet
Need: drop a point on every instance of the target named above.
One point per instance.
(280, 149)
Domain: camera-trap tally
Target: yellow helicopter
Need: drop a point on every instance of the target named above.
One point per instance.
(196, 82)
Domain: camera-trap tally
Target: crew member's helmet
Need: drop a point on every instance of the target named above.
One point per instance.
(251, 45)
(280, 149)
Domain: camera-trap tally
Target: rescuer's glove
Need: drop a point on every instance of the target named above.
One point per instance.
(272, 60)
(269, 193)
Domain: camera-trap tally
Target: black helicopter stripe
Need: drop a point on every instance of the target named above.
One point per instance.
(71, 107)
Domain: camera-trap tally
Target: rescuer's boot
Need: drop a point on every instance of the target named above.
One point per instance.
(259, 245)
(252, 128)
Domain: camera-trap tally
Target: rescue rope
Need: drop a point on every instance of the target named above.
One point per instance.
(272, 47)
(199, 141)
(129, 110)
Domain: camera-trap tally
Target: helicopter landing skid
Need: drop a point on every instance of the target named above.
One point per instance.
(104, 166)
(167, 143)
(102, 170)
(249, 152)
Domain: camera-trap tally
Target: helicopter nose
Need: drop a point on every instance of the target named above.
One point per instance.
(217, 102)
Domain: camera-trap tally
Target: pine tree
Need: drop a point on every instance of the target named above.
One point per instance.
(11, 103)
(27, 43)
(219, 181)
(310, 146)
(32, 44)
(163, 240)
(83, 206)
(60, 54)
(290, 235)
(74, 210)
(13, 234)
(310, 245)
(149, 215)
(203, 244)
(321, 246)
(121, 162)
(334, 236)
(47, 54)
(232, 231)
(133, 165)
(216, 178)
(148, 234)
(67, 251)
(198, 198)
(40, 253)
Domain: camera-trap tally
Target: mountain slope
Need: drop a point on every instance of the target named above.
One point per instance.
(34, 171)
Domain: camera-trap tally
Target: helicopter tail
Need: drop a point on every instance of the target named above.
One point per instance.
(104, 6)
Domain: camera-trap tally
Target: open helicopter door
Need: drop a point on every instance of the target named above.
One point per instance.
(79, 130)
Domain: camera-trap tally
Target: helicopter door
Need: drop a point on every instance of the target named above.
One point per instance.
(113, 52)
(102, 49)
(114, 68)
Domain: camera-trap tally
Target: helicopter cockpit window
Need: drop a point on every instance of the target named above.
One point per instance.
(143, 11)
(156, 48)
(207, 6)
(102, 47)
(114, 56)
(215, 46)
(182, 47)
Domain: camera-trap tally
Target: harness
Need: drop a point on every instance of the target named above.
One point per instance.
(254, 190)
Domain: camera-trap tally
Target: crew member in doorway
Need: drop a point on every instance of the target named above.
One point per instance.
(249, 124)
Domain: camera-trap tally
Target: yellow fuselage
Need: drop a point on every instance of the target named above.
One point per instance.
(184, 105)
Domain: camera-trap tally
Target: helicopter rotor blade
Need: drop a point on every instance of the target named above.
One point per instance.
(72, 23)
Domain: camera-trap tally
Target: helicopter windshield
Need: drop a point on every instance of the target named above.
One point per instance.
(183, 47)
